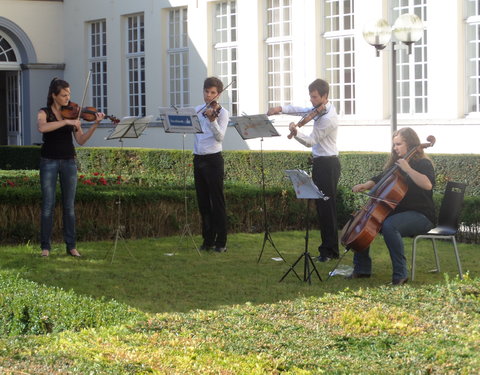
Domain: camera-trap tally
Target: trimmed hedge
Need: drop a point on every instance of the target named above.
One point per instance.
(166, 167)
(153, 202)
(158, 212)
(28, 308)
(145, 212)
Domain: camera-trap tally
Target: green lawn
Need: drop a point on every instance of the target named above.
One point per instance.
(227, 314)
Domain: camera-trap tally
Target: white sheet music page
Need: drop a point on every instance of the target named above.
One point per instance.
(303, 185)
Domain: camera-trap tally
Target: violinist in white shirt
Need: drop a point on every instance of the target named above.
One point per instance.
(208, 167)
(326, 165)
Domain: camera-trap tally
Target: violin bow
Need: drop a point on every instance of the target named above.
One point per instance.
(84, 94)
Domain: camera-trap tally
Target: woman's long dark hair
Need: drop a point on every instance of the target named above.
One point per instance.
(56, 86)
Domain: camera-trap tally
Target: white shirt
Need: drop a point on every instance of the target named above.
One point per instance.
(323, 138)
(210, 141)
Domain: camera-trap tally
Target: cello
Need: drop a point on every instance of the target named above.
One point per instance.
(365, 224)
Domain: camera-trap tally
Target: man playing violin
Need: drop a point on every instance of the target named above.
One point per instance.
(208, 167)
(326, 166)
(58, 161)
(414, 214)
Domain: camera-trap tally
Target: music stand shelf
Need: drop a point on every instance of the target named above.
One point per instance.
(304, 189)
(128, 127)
(258, 126)
(182, 121)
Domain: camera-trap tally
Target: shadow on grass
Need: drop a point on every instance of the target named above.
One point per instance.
(168, 275)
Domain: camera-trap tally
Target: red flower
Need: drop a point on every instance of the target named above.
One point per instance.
(11, 183)
(96, 173)
(82, 176)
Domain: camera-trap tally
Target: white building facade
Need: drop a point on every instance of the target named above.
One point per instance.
(147, 54)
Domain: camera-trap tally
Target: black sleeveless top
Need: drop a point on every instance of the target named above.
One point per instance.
(57, 144)
(416, 198)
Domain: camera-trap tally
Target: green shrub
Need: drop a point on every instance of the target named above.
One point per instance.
(153, 185)
(158, 167)
(29, 308)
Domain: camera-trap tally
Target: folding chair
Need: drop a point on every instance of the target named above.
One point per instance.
(448, 223)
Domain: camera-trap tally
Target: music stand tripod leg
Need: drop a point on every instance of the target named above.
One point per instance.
(120, 228)
(310, 261)
(292, 268)
(306, 256)
(267, 236)
(186, 227)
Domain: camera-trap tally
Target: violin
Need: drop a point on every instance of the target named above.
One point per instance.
(214, 112)
(212, 109)
(72, 111)
(364, 225)
(318, 110)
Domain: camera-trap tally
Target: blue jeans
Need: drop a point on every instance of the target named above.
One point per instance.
(403, 224)
(50, 169)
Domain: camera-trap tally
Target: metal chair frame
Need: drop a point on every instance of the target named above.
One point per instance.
(448, 223)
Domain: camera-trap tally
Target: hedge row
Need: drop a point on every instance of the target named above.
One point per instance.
(153, 201)
(158, 212)
(160, 167)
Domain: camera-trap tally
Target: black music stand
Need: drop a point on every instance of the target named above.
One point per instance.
(183, 121)
(305, 189)
(128, 127)
(258, 126)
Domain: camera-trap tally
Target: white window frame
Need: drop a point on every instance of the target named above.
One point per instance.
(98, 64)
(225, 50)
(412, 70)
(340, 59)
(178, 58)
(279, 51)
(472, 41)
(135, 56)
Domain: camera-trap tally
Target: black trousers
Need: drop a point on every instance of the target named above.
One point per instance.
(325, 174)
(208, 171)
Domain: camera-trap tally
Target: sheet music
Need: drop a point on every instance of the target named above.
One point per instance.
(130, 127)
(303, 185)
(255, 126)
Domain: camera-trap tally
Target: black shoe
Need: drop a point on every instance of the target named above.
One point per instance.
(220, 249)
(399, 281)
(324, 258)
(355, 275)
(206, 248)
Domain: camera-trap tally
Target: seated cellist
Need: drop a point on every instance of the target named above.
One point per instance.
(415, 214)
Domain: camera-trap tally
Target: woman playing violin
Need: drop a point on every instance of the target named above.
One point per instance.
(414, 214)
(58, 160)
(326, 166)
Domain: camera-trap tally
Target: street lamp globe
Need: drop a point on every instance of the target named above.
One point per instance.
(377, 33)
(408, 28)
